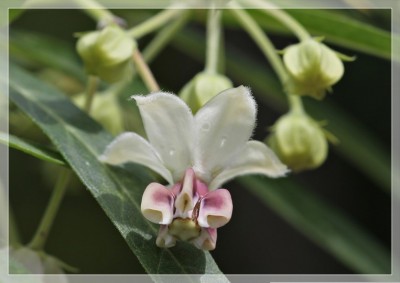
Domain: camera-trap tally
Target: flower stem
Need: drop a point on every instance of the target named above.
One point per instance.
(269, 51)
(96, 11)
(154, 23)
(164, 36)
(43, 230)
(261, 39)
(213, 40)
(296, 105)
(144, 71)
(279, 14)
(90, 92)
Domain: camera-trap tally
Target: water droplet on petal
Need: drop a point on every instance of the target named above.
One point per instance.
(205, 126)
(171, 151)
(222, 142)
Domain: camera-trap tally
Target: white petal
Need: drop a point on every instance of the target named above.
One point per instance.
(164, 239)
(29, 259)
(255, 158)
(168, 122)
(223, 127)
(130, 147)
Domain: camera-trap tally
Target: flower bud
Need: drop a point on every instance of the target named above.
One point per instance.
(299, 141)
(107, 53)
(105, 109)
(202, 88)
(313, 68)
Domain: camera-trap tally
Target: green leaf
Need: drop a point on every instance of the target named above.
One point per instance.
(372, 157)
(118, 190)
(45, 51)
(322, 223)
(31, 148)
(335, 27)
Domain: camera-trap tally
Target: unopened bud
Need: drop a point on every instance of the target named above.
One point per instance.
(313, 68)
(202, 88)
(299, 141)
(107, 53)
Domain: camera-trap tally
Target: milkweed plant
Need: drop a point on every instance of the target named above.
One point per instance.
(187, 144)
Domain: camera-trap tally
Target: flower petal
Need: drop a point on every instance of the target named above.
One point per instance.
(168, 122)
(254, 158)
(29, 259)
(187, 197)
(223, 126)
(157, 204)
(164, 239)
(132, 147)
(215, 209)
(207, 239)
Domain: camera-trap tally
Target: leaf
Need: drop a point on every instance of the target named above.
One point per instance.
(46, 51)
(118, 191)
(335, 27)
(322, 223)
(371, 158)
(31, 148)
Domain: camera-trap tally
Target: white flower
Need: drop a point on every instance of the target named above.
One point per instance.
(195, 155)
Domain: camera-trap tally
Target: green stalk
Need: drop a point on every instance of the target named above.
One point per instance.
(280, 15)
(40, 237)
(144, 71)
(154, 23)
(213, 40)
(267, 47)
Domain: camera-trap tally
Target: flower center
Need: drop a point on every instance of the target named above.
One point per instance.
(185, 229)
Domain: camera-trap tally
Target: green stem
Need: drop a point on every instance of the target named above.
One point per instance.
(269, 51)
(144, 71)
(154, 23)
(279, 14)
(43, 230)
(261, 39)
(96, 11)
(90, 92)
(296, 105)
(164, 36)
(213, 40)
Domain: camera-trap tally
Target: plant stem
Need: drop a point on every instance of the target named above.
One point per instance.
(90, 92)
(144, 71)
(164, 36)
(279, 14)
(154, 23)
(296, 105)
(262, 40)
(96, 11)
(213, 40)
(269, 51)
(43, 230)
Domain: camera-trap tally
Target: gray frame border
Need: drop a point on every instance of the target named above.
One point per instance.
(394, 5)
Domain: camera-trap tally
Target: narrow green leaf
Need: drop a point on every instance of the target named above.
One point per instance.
(335, 27)
(322, 223)
(372, 158)
(31, 148)
(46, 51)
(118, 191)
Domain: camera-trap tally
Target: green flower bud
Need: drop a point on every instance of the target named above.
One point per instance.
(202, 88)
(299, 141)
(105, 109)
(313, 68)
(107, 53)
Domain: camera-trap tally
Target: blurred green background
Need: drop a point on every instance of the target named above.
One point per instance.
(258, 239)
